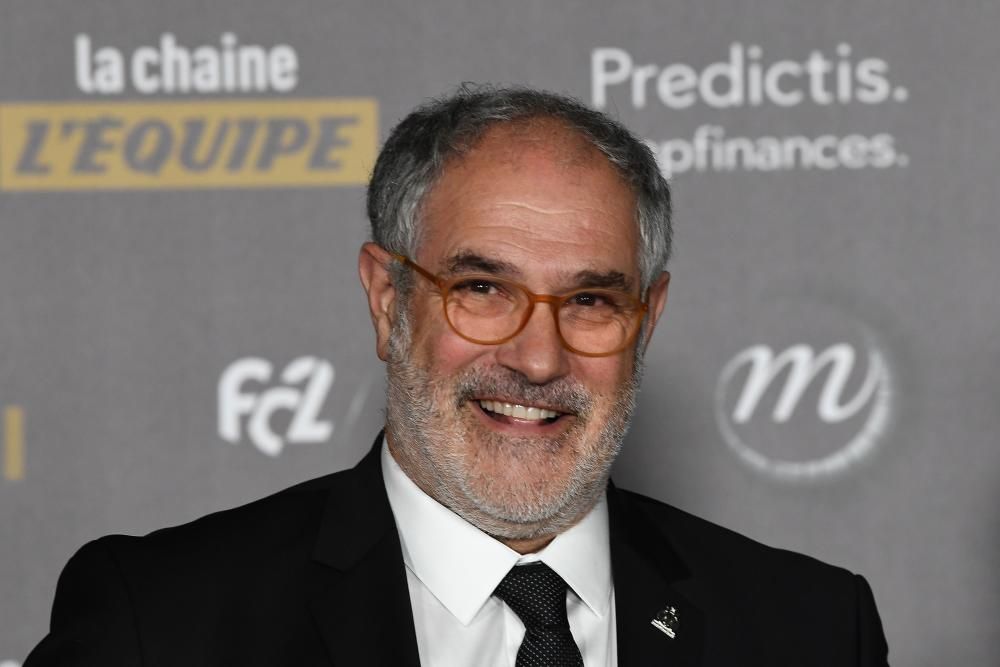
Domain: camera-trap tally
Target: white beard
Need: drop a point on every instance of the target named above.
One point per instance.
(429, 427)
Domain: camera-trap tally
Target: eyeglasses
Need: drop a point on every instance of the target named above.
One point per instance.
(487, 310)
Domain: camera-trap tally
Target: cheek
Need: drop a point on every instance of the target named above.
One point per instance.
(606, 376)
(452, 354)
(440, 348)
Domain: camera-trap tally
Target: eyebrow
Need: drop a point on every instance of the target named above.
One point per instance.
(603, 279)
(468, 261)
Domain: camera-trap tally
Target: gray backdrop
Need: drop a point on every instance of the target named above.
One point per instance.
(182, 332)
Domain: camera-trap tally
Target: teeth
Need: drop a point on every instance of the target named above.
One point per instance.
(526, 413)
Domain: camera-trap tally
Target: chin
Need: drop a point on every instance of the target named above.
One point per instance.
(527, 496)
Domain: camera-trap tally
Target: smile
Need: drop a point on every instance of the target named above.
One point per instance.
(517, 411)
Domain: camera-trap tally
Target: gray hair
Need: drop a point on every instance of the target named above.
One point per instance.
(422, 143)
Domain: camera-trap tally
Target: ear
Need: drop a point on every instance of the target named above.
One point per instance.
(373, 263)
(657, 300)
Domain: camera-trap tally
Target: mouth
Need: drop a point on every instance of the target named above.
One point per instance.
(517, 413)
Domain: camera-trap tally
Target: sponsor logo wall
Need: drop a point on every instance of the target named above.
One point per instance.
(181, 328)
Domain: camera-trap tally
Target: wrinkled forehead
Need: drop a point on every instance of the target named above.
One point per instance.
(535, 192)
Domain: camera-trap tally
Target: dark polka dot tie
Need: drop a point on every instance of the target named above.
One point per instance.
(538, 596)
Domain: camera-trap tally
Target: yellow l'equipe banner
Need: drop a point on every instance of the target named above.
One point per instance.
(189, 144)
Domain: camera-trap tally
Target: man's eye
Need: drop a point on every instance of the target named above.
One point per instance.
(606, 302)
(476, 286)
(587, 299)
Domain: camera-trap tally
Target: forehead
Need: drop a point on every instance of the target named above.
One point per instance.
(530, 193)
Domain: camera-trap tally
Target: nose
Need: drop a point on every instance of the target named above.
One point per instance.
(536, 352)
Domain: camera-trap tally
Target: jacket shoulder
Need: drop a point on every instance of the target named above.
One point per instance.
(704, 545)
(788, 607)
(225, 550)
(120, 597)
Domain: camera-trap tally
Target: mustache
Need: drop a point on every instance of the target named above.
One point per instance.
(562, 395)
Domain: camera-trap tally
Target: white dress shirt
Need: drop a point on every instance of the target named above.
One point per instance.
(452, 569)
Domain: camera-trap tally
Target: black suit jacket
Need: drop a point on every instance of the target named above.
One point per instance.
(314, 576)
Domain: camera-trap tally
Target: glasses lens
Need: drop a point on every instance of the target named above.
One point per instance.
(485, 309)
(598, 321)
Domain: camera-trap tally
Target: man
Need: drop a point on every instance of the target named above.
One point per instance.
(515, 278)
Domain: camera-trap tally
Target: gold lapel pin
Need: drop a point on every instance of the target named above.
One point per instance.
(666, 621)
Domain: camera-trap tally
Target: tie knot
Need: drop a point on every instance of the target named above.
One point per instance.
(536, 594)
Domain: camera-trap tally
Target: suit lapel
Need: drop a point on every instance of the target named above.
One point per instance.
(360, 598)
(650, 578)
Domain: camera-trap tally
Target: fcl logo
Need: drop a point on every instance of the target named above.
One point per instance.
(801, 366)
(305, 385)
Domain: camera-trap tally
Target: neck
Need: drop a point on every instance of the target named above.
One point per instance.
(526, 546)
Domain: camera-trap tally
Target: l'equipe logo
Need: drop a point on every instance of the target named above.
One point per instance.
(122, 144)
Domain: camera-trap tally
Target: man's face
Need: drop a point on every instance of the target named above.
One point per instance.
(538, 206)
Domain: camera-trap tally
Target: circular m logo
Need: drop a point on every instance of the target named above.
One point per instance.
(803, 412)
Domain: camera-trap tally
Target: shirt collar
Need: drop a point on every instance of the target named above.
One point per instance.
(462, 566)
